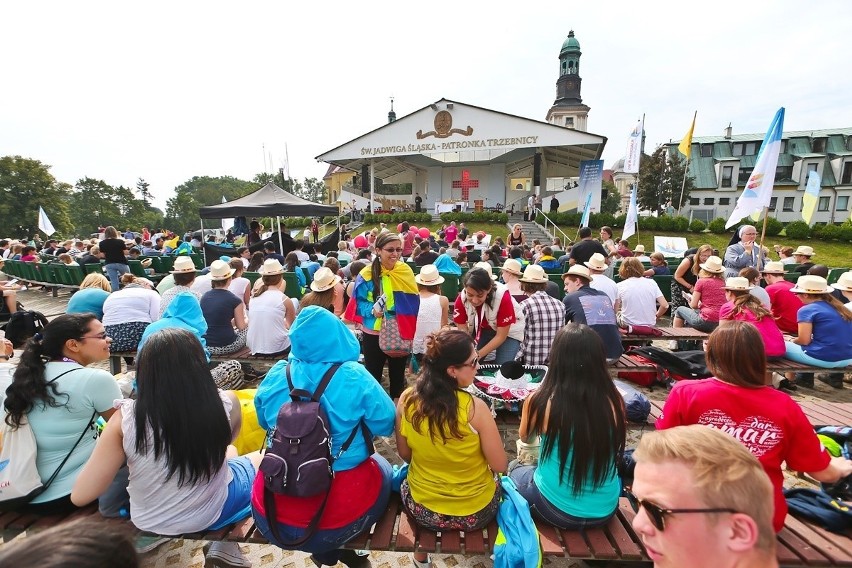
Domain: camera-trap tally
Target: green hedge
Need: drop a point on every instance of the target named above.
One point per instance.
(416, 218)
(797, 230)
(697, 226)
(477, 217)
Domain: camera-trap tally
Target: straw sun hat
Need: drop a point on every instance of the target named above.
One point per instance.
(183, 264)
(738, 284)
(271, 267)
(844, 283)
(713, 264)
(429, 276)
(324, 279)
(810, 284)
(773, 267)
(486, 267)
(578, 270)
(597, 262)
(220, 270)
(804, 251)
(512, 266)
(534, 274)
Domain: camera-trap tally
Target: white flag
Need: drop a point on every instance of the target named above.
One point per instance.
(44, 224)
(226, 223)
(634, 149)
(632, 216)
(758, 189)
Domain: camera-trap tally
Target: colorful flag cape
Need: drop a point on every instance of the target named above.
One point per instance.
(632, 216)
(44, 223)
(634, 149)
(758, 189)
(811, 197)
(404, 300)
(685, 145)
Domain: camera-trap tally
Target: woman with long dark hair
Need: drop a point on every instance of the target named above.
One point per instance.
(450, 440)
(255, 262)
(53, 390)
(114, 250)
(385, 287)
(737, 400)
(175, 438)
(579, 415)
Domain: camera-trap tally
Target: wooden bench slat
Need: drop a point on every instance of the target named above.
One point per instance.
(407, 535)
(383, 533)
(623, 535)
(600, 544)
(474, 542)
(24, 521)
(7, 518)
(450, 542)
(575, 544)
(241, 530)
(791, 549)
(837, 413)
(426, 541)
(549, 539)
(836, 547)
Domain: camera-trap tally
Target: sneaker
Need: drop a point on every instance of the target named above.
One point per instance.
(785, 384)
(805, 380)
(426, 564)
(350, 558)
(218, 554)
(834, 380)
(145, 544)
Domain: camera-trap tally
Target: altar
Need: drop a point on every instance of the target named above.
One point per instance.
(449, 206)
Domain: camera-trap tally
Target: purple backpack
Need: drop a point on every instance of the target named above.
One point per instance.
(298, 461)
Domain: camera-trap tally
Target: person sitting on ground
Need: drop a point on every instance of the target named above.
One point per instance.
(450, 441)
(90, 298)
(783, 303)
(701, 500)
(184, 474)
(272, 313)
(583, 250)
(360, 489)
(54, 391)
(510, 274)
(543, 315)
(590, 306)
(183, 275)
(736, 400)
(802, 255)
(239, 286)
(579, 416)
(824, 337)
(659, 266)
(638, 296)
(128, 312)
(707, 298)
(546, 260)
(434, 308)
(225, 314)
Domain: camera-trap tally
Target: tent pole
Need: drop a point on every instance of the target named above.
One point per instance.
(372, 183)
(203, 240)
(280, 241)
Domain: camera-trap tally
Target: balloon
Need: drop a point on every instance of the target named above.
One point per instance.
(413, 228)
(399, 228)
(360, 241)
(424, 232)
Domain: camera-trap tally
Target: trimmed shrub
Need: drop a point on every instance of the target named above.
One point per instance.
(717, 226)
(598, 220)
(649, 223)
(697, 226)
(830, 232)
(845, 232)
(797, 230)
(665, 223)
(681, 224)
(773, 227)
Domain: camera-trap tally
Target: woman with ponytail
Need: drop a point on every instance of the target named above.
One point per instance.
(450, 440)
(60, 398)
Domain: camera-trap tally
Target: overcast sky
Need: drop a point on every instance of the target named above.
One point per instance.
(170, 90)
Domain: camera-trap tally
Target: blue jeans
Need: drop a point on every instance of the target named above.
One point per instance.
(540, 507)
(325, 543)
(114, 271)
(797, 354)
(693, 319)
(506, 351)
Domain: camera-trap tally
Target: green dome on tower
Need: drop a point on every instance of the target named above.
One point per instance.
(571, 43)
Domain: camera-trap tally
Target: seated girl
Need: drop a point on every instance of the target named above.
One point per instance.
(579, 415)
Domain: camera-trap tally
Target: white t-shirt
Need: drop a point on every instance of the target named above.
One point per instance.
(131, 304)
(238, 287)
(202, 285)
(267, 330)
(605, 284)
(638, 298)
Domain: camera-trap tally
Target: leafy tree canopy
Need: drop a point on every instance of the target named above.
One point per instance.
(660, 181)
(26, 185)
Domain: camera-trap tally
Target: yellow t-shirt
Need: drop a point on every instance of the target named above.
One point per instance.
(449, 478)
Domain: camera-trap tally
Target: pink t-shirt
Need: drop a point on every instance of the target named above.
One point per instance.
(766, 421)
(712, 297)
(451, 234)
(773, 341)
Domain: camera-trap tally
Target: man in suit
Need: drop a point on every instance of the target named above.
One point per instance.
(744, 253)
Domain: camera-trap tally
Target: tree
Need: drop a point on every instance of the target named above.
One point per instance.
(612, 202)
(182, 209)
(142, 187)
(263, 178)
(94, 203)
(311, 189)
(26, 184)
(660, 181)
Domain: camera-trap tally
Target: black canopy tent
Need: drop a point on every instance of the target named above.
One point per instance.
(268, 201)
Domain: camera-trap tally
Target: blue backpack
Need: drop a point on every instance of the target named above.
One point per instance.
(820, 507)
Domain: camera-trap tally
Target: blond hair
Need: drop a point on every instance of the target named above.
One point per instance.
(725, 474)
(95, 280)
(631, 267)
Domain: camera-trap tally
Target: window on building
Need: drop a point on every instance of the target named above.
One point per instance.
(694, 201)
(724, 201)
(744, 174)
(842, 203)
(824, 203)
(818, 145)
(812, 168)
(727, 175)
(569, 121)
(788, 203)
(773, 203)
(751, 148)
(709, 201)
(737, 149)
(783, 146)
(846, 177)
(784, 172)
(707, 150)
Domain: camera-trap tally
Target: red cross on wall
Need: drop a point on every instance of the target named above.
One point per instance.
(465, 184)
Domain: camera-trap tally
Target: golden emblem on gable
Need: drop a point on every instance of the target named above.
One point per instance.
(444, 127)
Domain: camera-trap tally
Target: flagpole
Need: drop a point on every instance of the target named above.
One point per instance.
(762, 235)
(683, 184)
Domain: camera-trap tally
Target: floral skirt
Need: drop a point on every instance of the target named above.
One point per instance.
(677, 296)
(238, 343)
(437, 521)
(125, 336)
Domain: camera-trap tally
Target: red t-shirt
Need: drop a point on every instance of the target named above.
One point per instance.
(767, 421)
(352, 494)
(785, 306)
(505, 312)
(712, 297)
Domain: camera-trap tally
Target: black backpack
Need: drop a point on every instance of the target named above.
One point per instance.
(23, 324)
(678, 366)
(298, 461)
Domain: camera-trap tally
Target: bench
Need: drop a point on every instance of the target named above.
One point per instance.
(625, 363)
(799, 543)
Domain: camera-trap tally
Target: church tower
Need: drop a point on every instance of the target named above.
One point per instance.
(568, 109)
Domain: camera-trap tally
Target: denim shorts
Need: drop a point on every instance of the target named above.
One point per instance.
(238, 504)
(693, 319)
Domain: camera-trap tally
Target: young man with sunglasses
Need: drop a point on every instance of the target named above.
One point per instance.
(702, 500)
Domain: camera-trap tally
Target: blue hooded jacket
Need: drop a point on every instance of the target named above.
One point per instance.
(446, 264)
(184, 312)
(319, 339)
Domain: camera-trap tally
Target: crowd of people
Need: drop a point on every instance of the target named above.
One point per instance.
(368, 315)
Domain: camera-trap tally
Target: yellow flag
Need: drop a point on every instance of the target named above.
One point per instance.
(685, 145)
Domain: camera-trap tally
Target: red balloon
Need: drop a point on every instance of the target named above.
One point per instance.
(413, 228)
(424, 232)
(399, 228)
(360, 241)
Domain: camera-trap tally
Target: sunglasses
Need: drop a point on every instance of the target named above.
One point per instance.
(472, 364)
(393, 250)
(657, 515)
